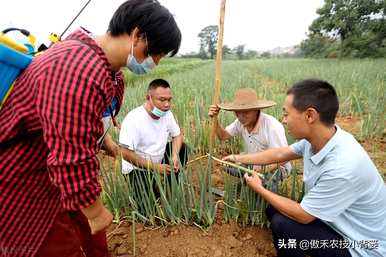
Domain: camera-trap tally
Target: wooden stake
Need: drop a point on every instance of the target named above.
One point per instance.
(217, 81)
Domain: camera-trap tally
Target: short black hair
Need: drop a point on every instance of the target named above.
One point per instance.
(317, 94)
(152, 20)
(158, 83)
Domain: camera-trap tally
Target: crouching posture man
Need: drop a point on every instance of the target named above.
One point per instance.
(344, 207)
(144, 136)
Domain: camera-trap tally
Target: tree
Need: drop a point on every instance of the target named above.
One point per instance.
(190, 55)
(239, 51)
(208, 40)
(250, 54)
(265, 54)
(226, 51)
(351, 22)
(317, 45)
(202, 52)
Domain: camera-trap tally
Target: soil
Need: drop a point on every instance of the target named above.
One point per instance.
(190, 241)
(221, 239)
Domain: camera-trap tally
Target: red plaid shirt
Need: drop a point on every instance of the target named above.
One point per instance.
(49, 129)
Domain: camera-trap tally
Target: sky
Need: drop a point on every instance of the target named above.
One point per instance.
(258, 24)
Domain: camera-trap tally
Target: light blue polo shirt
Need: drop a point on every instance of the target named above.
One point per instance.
(344, 189)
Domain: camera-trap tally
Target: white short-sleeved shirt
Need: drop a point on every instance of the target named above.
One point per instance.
(268, 133)
(146, 136)
(344, 189)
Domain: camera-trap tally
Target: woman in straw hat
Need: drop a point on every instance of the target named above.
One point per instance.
(259, 130)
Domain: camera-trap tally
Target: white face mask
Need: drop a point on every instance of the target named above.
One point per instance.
(157, 112)
(139, 68)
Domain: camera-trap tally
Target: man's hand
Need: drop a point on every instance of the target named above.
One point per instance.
(100, 222)
(253, 181)
(163, 168)
(257, 168)
(99, 218)
(111, 147)
(176, 163)
(113, 150)
(213, 110)
(230, 158)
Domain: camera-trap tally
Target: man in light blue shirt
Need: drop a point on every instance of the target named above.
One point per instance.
(343, 212)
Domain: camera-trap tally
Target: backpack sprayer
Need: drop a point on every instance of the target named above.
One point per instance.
(16, 56)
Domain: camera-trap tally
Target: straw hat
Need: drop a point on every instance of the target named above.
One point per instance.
(246, 99)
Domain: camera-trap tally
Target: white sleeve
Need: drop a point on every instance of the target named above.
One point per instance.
(276, 136)
(174, 129)
(233, 129)
(128, 136)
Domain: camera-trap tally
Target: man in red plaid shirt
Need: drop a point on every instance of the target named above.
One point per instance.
(51, 126)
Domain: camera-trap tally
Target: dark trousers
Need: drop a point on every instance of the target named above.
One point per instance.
(140, 178)
(183, 154)
(167, 159)
(315, 234)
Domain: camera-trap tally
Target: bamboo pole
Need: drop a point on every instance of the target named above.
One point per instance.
(197, 159)
(217, 81)
(236, 166)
